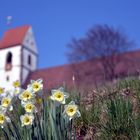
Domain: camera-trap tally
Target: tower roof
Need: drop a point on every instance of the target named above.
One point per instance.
(13, 37)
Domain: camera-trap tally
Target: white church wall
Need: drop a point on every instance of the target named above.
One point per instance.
(24, 75)
(26, 54)
(29, 49)
(14, 73)
(29, 41)
(27, 68)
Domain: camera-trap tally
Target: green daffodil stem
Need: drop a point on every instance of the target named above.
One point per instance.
(71, 125)
(5, 134)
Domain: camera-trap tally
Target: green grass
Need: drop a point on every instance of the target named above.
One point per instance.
(115, 112)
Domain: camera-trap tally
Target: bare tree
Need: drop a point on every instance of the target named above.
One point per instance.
(101, 42)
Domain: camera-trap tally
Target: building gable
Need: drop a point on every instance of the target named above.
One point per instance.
(13, 37)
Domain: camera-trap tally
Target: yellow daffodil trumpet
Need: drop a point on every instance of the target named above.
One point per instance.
(16, 84)
(1, 90)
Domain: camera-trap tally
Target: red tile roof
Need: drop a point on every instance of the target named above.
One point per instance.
(13, 37)
(86, 73)
(54, 76)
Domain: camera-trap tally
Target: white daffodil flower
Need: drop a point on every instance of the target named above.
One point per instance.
(29, 107)
(59, 95)
(26, 120)
(36, 86)
(3, 119)
(6, 102)
(26, 95)
(71, 110)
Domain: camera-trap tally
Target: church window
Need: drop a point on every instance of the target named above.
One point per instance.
(7, 78)
(9, 57)
(8, 64)
(29, 59)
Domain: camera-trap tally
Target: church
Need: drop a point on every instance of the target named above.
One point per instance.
(19, 59)
(18, 55)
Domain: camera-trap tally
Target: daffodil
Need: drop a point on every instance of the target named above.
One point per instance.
(3, 119)
(26, 95)
(5, 102)
(16, 84)
(26, 120)
(29, 107)
(1, 90)
(71, 110)
(38, 100)
(36, 86)
(59, 95)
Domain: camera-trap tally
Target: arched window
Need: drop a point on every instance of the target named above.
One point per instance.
(7, 78)
(8, 64)
(9, 58)
(29, 60)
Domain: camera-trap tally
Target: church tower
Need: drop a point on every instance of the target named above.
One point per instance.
(18, 55)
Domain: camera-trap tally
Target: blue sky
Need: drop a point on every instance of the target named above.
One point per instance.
(55, 22)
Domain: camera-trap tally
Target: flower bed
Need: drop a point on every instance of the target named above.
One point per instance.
(26, 115)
